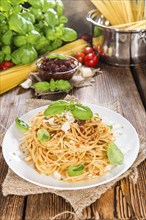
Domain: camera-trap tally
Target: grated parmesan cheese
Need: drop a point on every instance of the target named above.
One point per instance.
(65, 127)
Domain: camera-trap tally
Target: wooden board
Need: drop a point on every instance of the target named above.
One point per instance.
(125, 200)
(139, 75)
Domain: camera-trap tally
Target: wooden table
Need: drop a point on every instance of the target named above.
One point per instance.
(125, 200)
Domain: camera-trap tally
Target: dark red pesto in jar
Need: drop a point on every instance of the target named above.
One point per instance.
(57, 68)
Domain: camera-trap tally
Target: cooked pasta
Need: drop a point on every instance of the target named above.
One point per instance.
(125, 14)
(72, 142)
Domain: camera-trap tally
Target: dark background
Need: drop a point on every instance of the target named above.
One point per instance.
(76, 11)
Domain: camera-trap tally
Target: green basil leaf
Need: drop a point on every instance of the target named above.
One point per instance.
(51, 17)
(19, 24)
(6, 49)
(56, 108)
(69, 35)
(57, 43)
(36, 12)
(52, 85)
(43, 135)
(114, 154)
(48, 4)
(19, 40)
(2, 56)
(33, 37)
(60, 7)
(82, 112)
(72, 102)
(21, 125)
(57, 56)
(7, 38)
(5, 6)
(62, 85)
(41, 86)
(28, 16)
(24, 55)
(37, 4)
(50, 34)
(76, 170)
(63, 20)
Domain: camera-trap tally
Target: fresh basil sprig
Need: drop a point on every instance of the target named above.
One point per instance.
(21, 125)
(79, 111)
(61, 85)
(114, 154)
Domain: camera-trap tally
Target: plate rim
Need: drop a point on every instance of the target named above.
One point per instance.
(76, 187)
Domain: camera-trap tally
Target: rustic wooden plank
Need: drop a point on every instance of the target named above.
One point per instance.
(46, 206)
(11, 105)
(102, 210)
(139, 74)
(132, 197)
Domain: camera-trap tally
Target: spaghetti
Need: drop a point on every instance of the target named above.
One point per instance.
(83, 143)
(123, 14)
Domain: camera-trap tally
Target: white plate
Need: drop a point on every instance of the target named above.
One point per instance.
(127, 141)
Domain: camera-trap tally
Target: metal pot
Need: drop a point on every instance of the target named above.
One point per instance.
(121, 47)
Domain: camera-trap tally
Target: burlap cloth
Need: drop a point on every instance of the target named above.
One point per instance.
(78, 199)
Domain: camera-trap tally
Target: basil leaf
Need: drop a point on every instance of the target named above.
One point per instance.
(52, 85)
(114, 154)
(82, 112)
(51, 17)
(62, 85)
(57, 56)
(56, 108)
(60, 7)
(21, 125)
(43, 135)
(41, 86)
(19, 24)
(68, 35)
(76, 170)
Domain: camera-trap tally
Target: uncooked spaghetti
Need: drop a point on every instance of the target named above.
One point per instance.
(123, 14)
(76, 150)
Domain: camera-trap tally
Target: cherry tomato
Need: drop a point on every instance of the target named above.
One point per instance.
(91, 60)
(6, 64)
(88, 50)
(80, 57)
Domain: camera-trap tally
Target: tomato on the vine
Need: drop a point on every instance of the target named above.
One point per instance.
(88, 50)
(80, 57)
(91, 60)
(6, 64)
(88, 57)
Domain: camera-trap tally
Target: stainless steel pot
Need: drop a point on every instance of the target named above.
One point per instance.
(121, 47)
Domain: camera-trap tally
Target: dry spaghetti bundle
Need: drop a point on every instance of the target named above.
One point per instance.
(123, 14)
